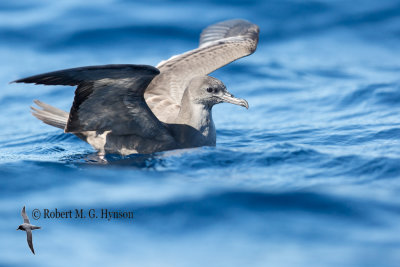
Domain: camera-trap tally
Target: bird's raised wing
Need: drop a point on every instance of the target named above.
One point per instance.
(29, 239)
(220, 44)
(109, 98)
(23, 213)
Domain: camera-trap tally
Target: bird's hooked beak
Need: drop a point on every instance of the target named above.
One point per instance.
(229, 98)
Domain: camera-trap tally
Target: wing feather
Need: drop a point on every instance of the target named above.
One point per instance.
(23, 213)
(109, 98)
(220, 44)
(29, 239)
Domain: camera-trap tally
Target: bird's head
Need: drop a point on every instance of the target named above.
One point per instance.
(209, 91)
(20, 228)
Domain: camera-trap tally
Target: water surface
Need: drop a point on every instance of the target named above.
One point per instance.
(308, 176)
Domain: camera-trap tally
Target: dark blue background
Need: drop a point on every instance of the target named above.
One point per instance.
(308, 176)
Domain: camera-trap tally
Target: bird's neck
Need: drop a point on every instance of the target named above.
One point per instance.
(196, 124)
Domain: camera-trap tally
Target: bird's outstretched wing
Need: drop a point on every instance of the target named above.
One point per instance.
(29, 239)
(23, 213)
(109, 98)
(220, 44)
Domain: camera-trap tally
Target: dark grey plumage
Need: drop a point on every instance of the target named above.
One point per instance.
(141, 109)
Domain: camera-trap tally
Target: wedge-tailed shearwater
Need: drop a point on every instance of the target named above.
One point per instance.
(28, 228)
(128, 109)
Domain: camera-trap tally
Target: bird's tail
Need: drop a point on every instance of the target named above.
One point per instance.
(50, 115)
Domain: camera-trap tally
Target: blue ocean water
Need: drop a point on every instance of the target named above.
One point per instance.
(308, 176)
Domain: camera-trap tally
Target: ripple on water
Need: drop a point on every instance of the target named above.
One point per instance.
(312, 168)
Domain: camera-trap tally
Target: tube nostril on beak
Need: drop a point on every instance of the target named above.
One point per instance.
(229, 98)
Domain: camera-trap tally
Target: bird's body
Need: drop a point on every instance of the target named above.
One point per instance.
(28, 228)
(128, 109)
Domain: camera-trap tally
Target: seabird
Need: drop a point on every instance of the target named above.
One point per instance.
(27, 227)
(126, 109)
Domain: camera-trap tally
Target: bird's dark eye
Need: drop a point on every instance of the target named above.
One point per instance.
(209, 89)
